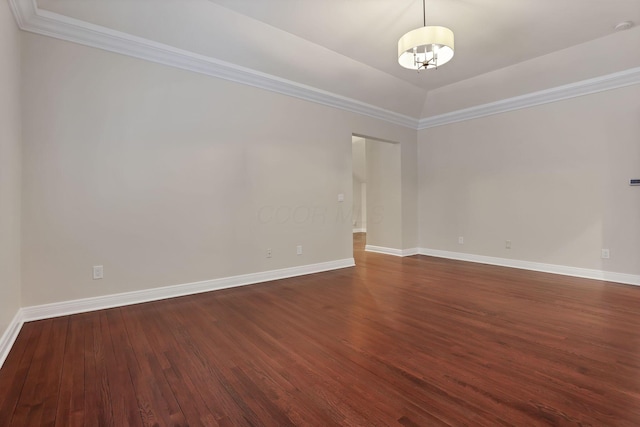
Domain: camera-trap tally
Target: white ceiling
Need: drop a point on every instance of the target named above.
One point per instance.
(349, 47)
(489, 34)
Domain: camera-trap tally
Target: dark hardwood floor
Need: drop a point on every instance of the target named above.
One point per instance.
(413, 341)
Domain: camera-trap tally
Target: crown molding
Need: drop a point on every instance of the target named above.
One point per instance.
(559, 93)
(39, 21)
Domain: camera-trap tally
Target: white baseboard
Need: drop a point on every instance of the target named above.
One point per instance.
(9, 336)
(410, 252)
(359, 230)
(628, 279)
(391, 251)
(64, 308)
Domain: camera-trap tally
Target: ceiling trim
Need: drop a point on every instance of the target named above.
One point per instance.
(559, 93)
(30, 18)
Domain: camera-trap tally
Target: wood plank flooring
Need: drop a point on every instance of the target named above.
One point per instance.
(413, 341)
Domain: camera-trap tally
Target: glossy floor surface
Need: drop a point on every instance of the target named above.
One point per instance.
(415, 341)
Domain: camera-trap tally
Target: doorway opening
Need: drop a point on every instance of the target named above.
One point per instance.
(377, 189)
(359, 179)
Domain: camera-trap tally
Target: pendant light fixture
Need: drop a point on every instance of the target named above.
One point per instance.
(426, 47)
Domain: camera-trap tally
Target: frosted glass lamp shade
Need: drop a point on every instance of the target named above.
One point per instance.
(425, 48)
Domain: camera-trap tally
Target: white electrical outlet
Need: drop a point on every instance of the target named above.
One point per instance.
(507, 244)
(98, 272)
(461, 240)
(341, 197)
(606, 254)
(299, 250)
(268, 252)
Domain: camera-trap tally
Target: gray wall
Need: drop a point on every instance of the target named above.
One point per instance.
(168, 177)
(384, 195)
(553, 179)
(359, 183)
(10, 165)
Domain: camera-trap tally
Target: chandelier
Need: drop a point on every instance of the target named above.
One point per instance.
(425, 47)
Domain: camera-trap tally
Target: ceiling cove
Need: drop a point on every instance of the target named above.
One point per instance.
(31, 18)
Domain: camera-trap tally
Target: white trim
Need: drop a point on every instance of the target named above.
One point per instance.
(136, 297)
(383, 250)
(30, 18)
(559, 93)
(64, 308)
(609, 276)
(391, 251)
(359, 230)
(410, 252)
(10, 335)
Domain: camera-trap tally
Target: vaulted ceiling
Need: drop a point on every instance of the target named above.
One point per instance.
(349, 47)
(490, 34)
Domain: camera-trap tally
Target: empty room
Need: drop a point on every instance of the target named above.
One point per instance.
(320, 213)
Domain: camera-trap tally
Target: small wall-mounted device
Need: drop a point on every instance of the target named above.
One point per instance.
(634, 182)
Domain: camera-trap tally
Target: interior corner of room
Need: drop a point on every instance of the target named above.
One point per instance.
(139, 163)
(112, 159)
